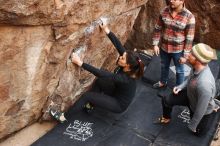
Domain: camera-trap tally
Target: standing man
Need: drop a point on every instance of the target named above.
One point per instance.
(174, 32)
(197, 92)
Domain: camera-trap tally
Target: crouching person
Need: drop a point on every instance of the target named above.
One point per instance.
(197, 92)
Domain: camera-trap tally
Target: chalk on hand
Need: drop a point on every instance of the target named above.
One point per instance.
(104, 20)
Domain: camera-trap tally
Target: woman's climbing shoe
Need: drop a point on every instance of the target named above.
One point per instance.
(88, 107)
(59, 116)
(162, 120)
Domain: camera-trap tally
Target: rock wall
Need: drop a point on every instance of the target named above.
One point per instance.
(207, 13)
(36, 39)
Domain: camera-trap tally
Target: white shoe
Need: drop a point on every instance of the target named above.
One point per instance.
(59, 116)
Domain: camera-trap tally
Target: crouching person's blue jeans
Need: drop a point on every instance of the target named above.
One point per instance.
(165, 64)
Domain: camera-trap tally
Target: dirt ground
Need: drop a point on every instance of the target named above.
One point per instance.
(30, 134)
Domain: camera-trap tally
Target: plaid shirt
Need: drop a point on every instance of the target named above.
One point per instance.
(176, 33)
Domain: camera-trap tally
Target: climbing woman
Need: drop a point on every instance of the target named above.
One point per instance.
(112, 91)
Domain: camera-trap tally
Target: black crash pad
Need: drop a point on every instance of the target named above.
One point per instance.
(134, 127)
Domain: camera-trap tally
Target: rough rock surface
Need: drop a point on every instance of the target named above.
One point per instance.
(36, 39)
(207, 13)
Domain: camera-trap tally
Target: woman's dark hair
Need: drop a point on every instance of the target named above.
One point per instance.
(136, 65)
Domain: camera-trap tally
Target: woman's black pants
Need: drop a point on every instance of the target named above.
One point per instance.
(101, 95)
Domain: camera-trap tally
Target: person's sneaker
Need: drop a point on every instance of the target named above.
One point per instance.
(88, 107)
(162, 121)
(59, 116)
(158, 85)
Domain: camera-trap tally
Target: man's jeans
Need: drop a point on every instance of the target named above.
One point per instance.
(165, 64)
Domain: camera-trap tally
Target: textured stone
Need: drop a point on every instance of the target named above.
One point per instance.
(38, 12)
(207, 15)
(22, 64)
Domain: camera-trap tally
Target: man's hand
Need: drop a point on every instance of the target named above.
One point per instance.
(182, 60)
(191, 128)
(156, 50)
(76, 59)
(176, 90)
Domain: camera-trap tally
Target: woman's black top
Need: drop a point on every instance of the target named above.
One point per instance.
(125, 86)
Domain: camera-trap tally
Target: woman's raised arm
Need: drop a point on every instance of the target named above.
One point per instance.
(115, 41)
